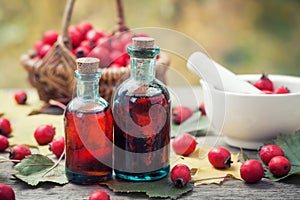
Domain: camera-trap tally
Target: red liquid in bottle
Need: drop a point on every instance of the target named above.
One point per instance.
(142, 136)
(88, 146)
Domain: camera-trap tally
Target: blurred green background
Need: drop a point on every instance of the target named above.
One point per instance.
(252, 36)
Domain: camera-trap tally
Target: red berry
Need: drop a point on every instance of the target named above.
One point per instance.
(44, 50)
(180, 175)
(5, 128)
(202, 109)
(99, 195)
(184, 144)
(87, 44)
(38, 45)
(3, 143)
(44, 134)
(85, 26)
(181, 113)
(282, 90)
(126, 38)
(76, 36)
(19, 152)
(20, 97)
(101, 53)
(119, 58)
(267, 152)
(114, 65)
(220, 158)
(6, 192)
(279, 166)
(50, 37)
(104, 42)
(57, 146)
(252, 171)
(81, 52)
(117, 45)
(93, 35)
(264, 83)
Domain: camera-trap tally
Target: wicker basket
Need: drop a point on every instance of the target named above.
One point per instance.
(53, 76)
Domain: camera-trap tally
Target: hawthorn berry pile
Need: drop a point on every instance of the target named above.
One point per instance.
(44, 135)
(273, 156)
(87, 41)
(251, 171)
(267, 87)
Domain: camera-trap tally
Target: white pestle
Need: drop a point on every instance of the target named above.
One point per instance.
(217, 75)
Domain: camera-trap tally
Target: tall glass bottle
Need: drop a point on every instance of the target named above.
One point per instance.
(141, 110)
(88, 128)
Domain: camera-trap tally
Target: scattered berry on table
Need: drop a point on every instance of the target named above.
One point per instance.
(219, 158)
(3, 143)
(57, 146)
(184, 144)
(19, 152)
(181, 113)
(180, 175)
(279, 166)
(5, 127)
(44, 134)
(6, 192)
(252, 171)
(269, 151)
(99, 195)
(20, 97)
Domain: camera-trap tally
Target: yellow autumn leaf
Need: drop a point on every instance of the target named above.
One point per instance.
(23, 126)
(203, 172)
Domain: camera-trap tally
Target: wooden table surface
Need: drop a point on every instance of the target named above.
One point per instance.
(230, 189)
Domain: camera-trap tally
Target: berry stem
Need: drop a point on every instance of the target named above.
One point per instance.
(212, 178)
(9, 160)
(56, 163)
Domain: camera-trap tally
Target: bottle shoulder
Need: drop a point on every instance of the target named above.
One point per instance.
(88, 105)
(135, 88)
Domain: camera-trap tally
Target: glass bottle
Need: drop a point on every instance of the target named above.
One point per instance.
(88, 128)
(141, 110)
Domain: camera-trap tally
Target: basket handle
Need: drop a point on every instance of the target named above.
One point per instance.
(66, 22)
(120, 20)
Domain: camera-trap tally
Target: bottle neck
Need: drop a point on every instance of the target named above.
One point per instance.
(142, 62)
(87, 85)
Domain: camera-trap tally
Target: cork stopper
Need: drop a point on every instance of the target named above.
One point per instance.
(87, 65)
(142, 42)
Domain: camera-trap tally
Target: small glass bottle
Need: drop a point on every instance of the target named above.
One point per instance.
(88, 128)
(141, 110)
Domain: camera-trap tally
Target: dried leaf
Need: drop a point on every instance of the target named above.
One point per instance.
(204, 172)
(37, 168)
(155, 189)
(290, 144)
